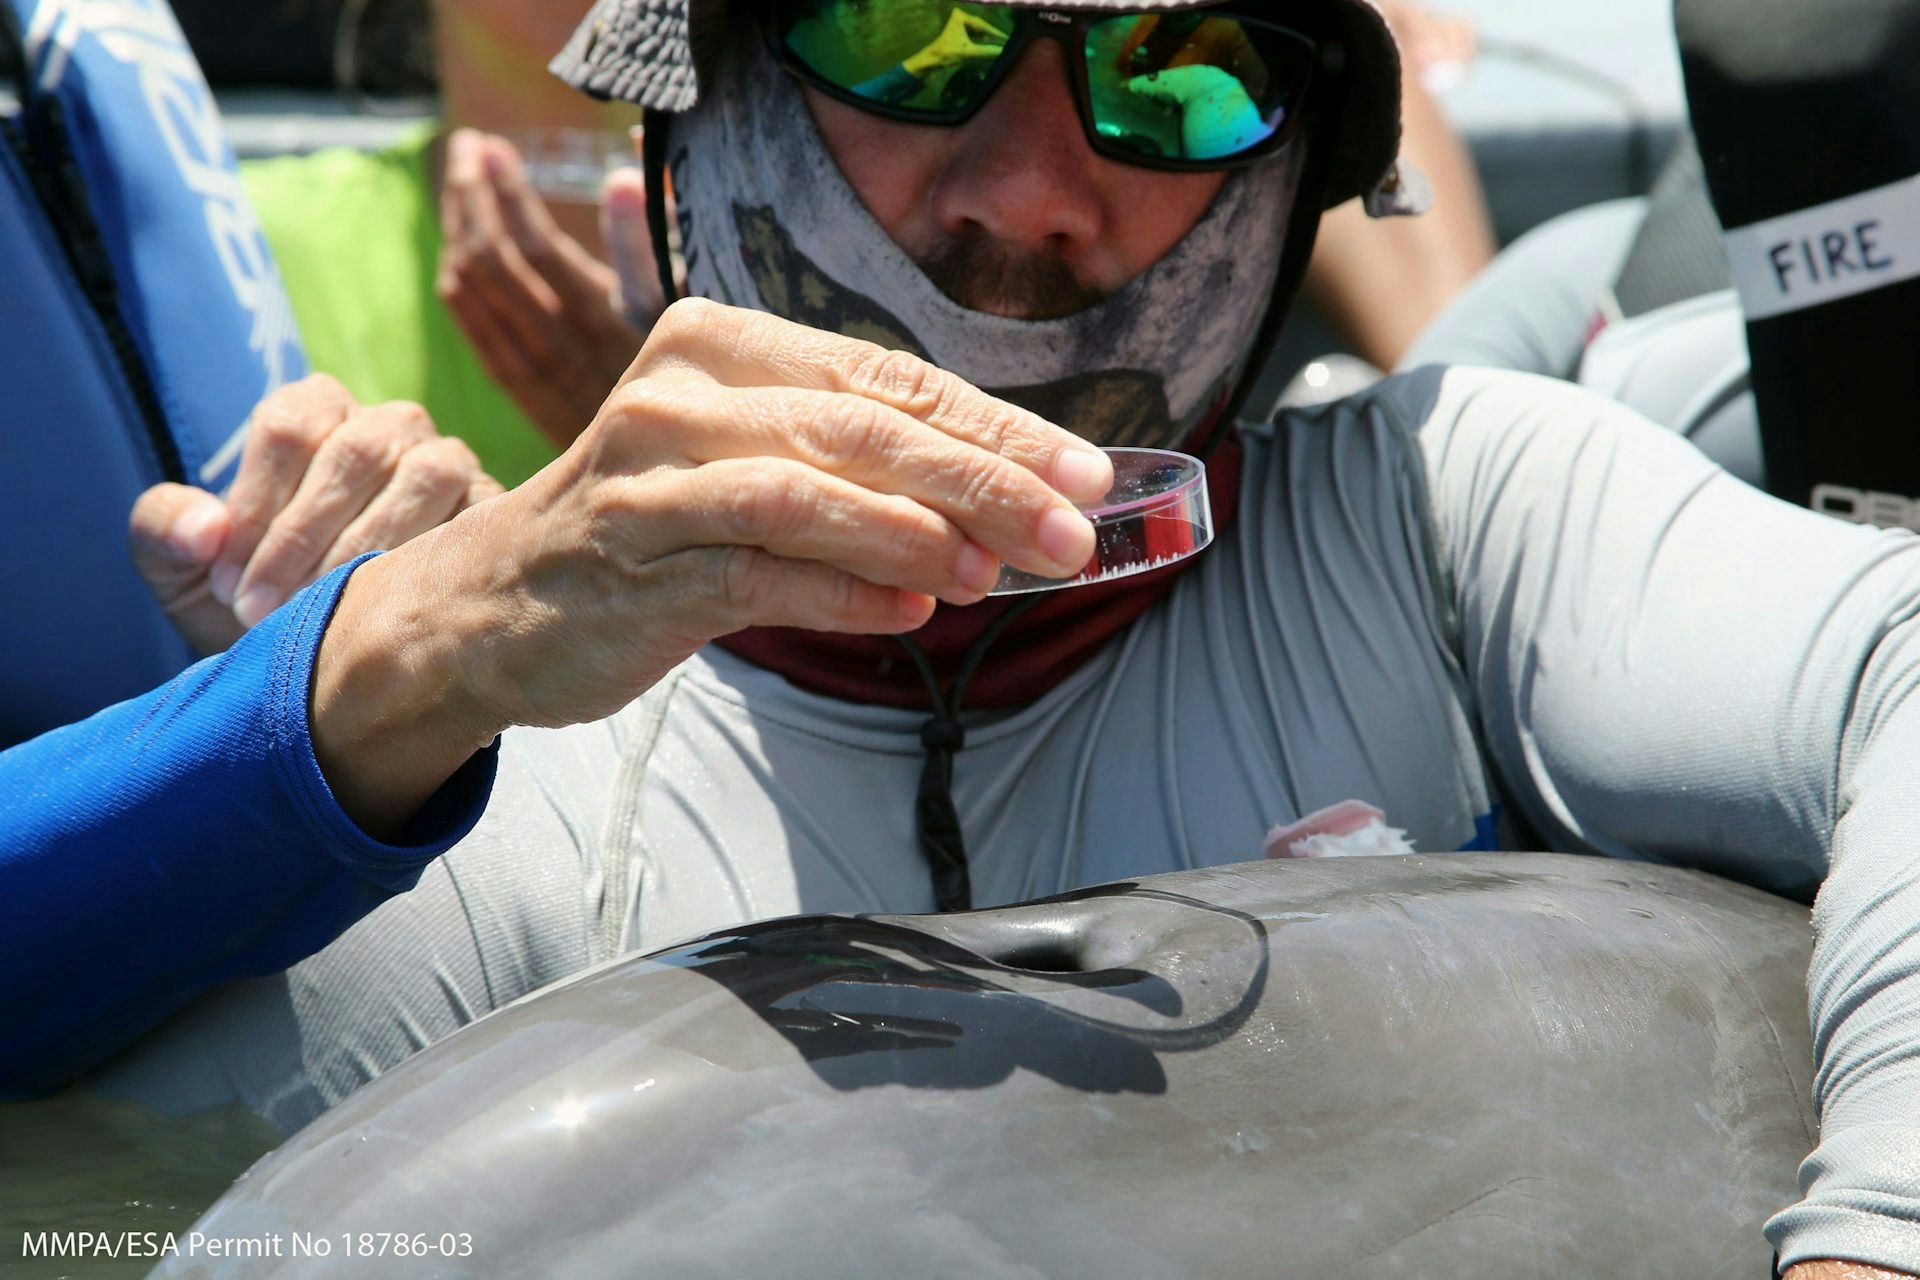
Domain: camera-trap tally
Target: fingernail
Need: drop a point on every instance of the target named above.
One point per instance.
(222, 581)
(1066, 538)
(254, 604)
(195, 535)
(1083, 475)
(913, 609)
(976, 570)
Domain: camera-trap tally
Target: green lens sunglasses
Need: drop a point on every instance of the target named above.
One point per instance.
(1194, 89)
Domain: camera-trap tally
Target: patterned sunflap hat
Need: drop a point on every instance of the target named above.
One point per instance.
(659, 53)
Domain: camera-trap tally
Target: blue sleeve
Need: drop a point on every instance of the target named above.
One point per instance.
(183, 838)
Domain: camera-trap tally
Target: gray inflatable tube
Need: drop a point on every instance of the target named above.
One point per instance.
(1506, 1065)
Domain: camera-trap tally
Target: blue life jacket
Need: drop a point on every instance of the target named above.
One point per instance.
(141, 319)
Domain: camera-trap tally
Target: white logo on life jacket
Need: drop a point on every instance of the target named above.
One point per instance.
(143, 35)
(1866, 506)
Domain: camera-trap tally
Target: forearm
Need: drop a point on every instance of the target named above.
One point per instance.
(178, 840)
(1670, 665)
(391, 717)
(1862, 1184)
(1380, 282)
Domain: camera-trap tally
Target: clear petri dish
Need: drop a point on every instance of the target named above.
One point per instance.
(1156, 514)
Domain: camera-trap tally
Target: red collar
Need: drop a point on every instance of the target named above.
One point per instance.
(1038, 650)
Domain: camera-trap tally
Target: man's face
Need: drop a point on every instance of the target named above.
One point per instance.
(1012, 213)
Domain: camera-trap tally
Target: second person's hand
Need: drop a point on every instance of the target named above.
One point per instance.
(322, 479)
(551, 323)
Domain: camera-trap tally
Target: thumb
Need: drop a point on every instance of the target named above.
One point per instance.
(175, 533)
(629, 242)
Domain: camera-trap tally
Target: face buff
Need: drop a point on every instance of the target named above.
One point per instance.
(768, 222)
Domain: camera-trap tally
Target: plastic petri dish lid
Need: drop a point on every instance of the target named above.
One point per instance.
(1156, 514)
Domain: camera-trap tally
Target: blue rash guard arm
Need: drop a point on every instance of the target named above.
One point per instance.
(1672, 666)
(183, 838)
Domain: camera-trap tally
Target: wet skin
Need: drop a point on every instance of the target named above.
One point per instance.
(1484, 1065)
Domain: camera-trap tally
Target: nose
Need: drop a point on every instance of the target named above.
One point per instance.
(1021, 169)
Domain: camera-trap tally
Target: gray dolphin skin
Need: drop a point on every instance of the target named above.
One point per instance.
(1502, 1065)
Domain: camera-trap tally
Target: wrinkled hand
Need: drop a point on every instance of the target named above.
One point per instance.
(1841, 1271)
(321, 480)
(965, 38)
(748, 471)
(552, 324)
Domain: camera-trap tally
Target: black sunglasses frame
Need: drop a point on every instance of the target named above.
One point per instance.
(1070, 29)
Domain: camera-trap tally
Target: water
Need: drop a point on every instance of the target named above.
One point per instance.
(74, 1163)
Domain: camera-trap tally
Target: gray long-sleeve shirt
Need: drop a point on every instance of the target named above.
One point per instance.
(1497, 607)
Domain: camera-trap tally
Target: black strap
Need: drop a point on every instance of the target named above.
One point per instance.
(1303, 227)
(941, 839)
(653, 165)
(942, 735)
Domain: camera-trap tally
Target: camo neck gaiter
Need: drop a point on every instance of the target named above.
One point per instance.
(768, 222)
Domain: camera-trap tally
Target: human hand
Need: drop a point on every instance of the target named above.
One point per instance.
(747, 472)
(1829, 1270)
(321, 480)
(966, 37)
(551, 323)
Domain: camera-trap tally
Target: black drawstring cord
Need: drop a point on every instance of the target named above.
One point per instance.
(653, 165)
(938, 822)
(941, 839)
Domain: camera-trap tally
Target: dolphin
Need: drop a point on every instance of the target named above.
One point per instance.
(1502, 1065)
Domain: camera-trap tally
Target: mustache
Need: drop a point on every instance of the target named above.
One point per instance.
(980, 274)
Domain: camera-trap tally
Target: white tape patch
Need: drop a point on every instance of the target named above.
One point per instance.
(1833, 251)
